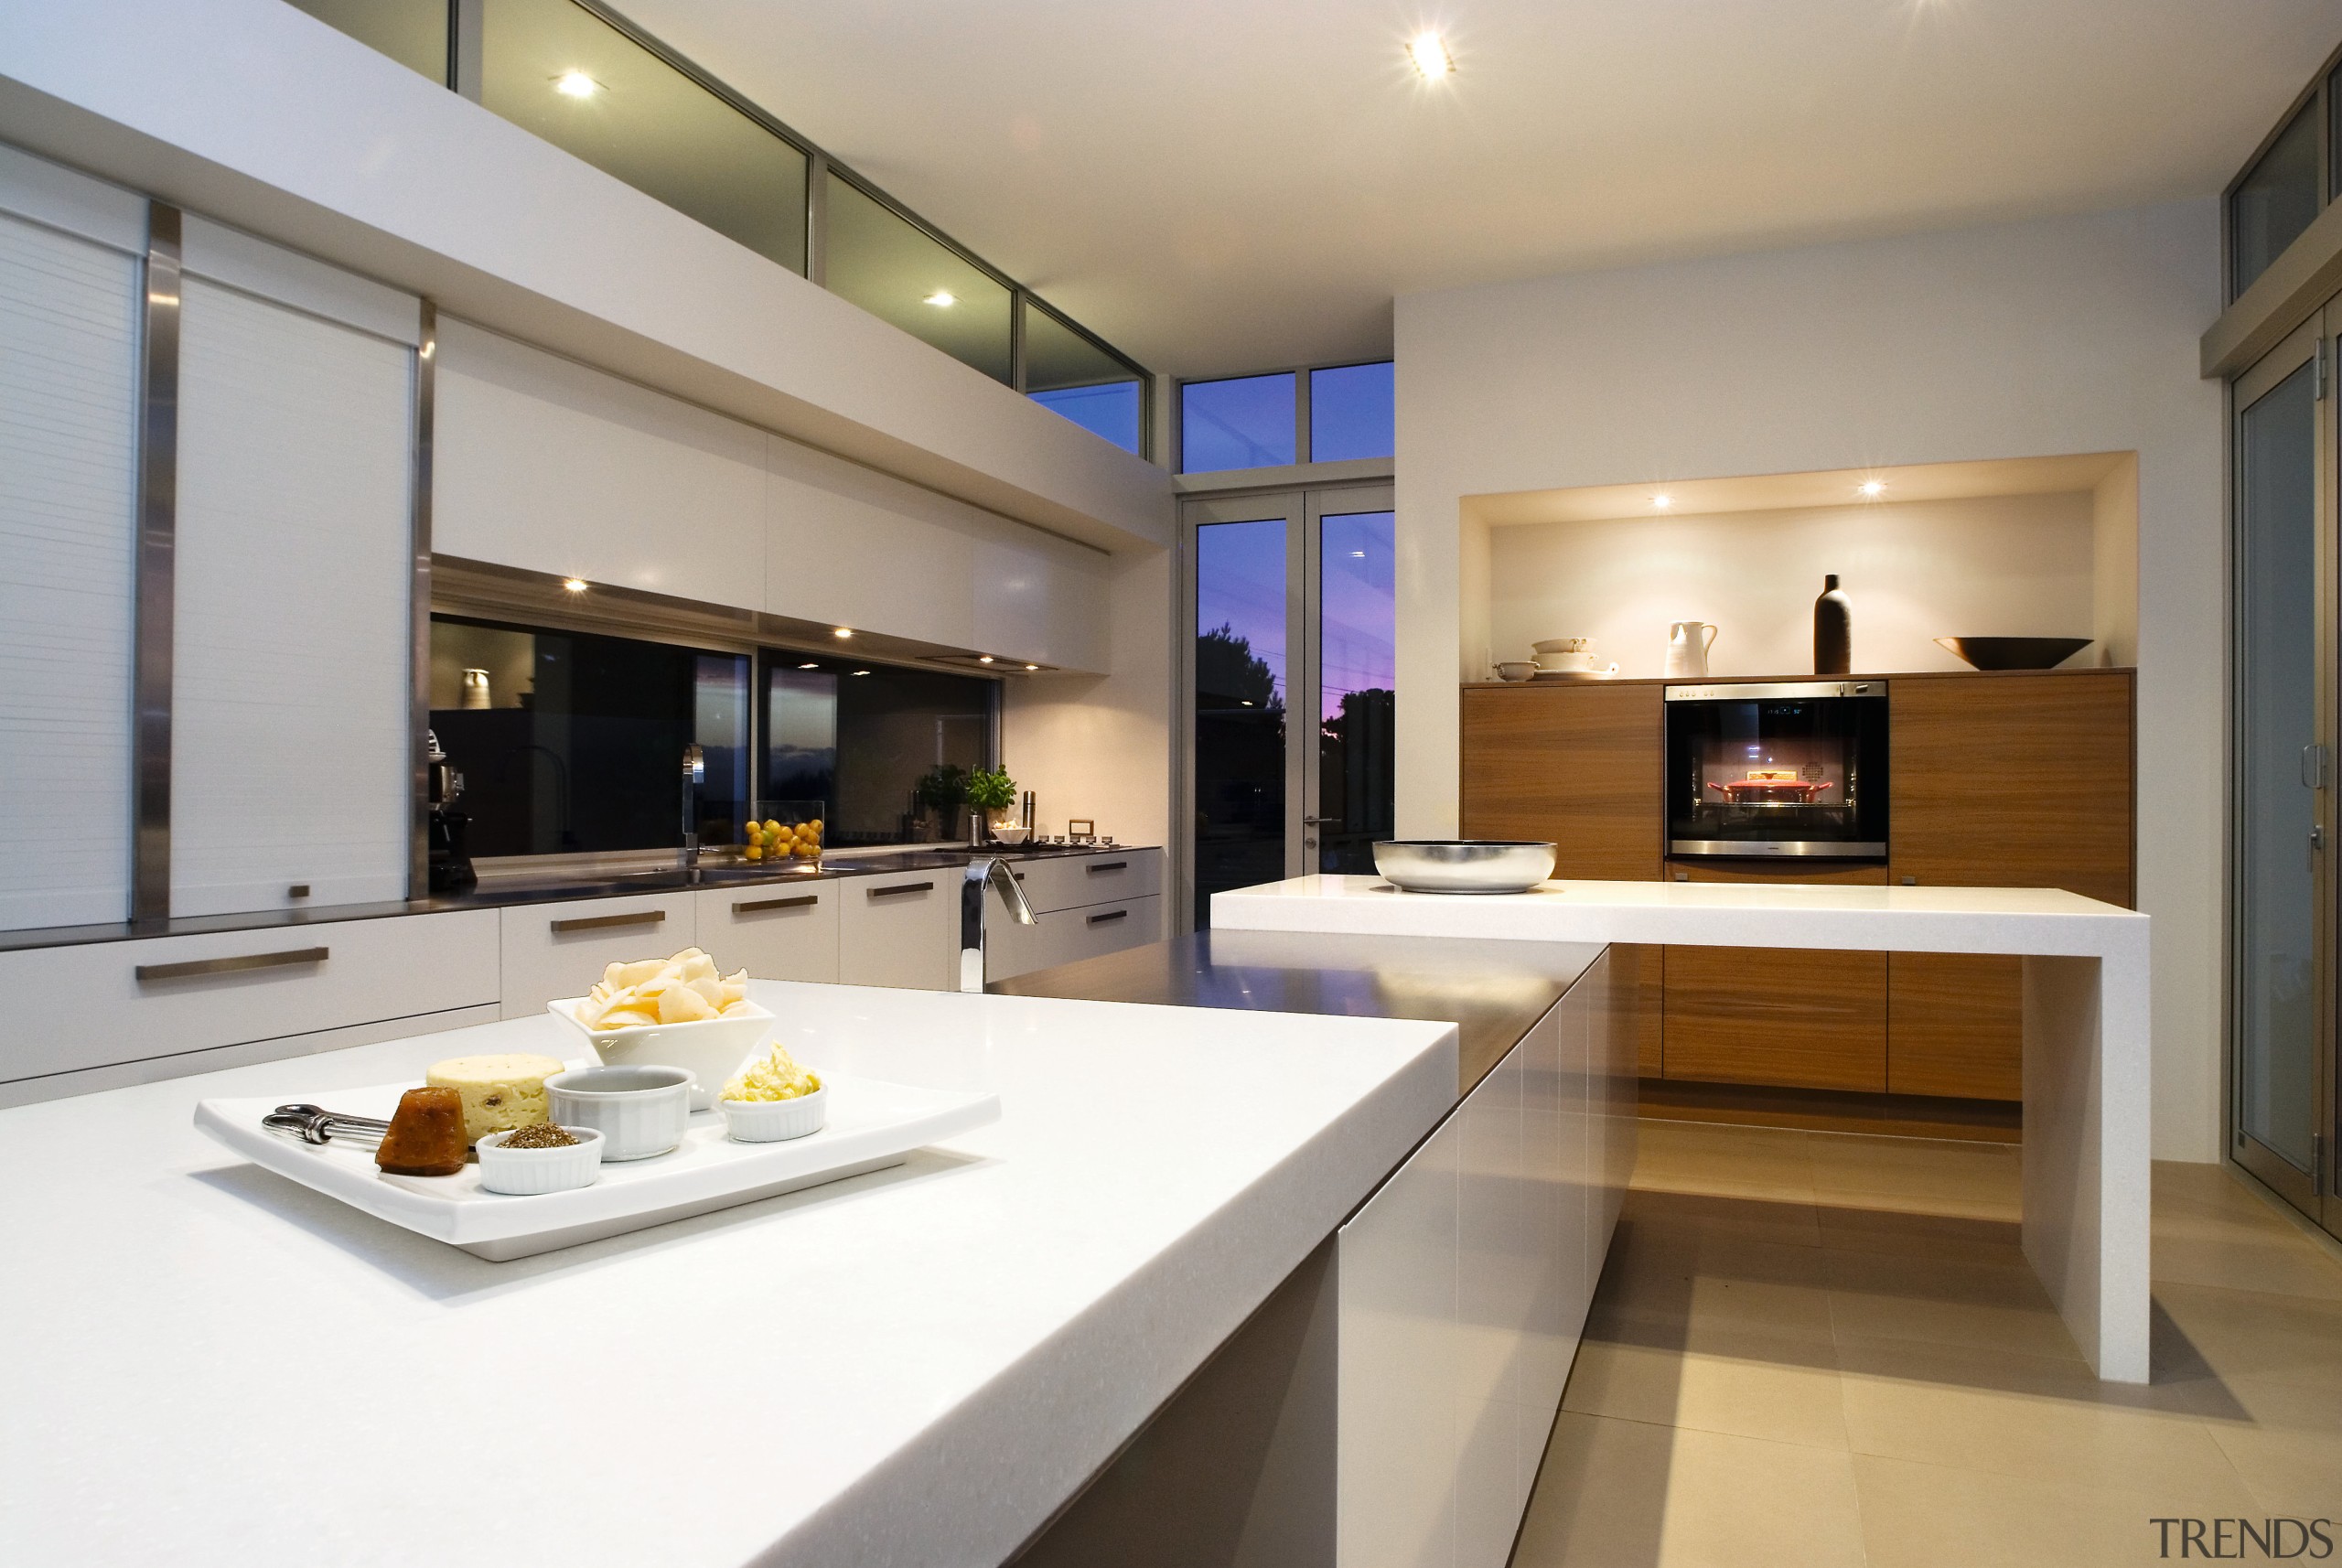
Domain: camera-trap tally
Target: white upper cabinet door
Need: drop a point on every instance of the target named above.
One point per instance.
(291, 656)
(543, 463)
(847, 545)
(68, 378)
(1042, 599)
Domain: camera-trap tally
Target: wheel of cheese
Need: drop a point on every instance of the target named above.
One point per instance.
(499, 1092)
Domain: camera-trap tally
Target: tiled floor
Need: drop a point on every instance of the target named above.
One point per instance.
(1817, 1349)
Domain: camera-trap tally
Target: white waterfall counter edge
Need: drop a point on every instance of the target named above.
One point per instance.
(2086, 1062)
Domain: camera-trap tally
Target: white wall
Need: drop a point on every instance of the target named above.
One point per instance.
(2065, 335)
(1099, 747)
(1999, 565)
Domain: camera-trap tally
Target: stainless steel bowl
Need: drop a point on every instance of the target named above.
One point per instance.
(1464, 865)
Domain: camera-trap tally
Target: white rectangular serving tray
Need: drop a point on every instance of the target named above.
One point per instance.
(872, 1124)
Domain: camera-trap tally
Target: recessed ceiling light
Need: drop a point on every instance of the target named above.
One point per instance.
(1032, 667)
(842, 632)
(984, 657)
(1873, 486)
(575, 584)
(575, 85)
(1428, 52)
(862, 672)
(809, 666)
(940, 298)
(1662, 500)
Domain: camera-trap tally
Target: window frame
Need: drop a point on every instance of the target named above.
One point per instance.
(1302, 445)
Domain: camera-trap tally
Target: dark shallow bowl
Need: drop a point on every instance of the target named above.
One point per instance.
(2015, 653)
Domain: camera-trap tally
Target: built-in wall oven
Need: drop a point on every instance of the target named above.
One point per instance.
(1785, 769)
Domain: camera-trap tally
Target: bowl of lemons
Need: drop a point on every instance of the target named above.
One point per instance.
(783, 833)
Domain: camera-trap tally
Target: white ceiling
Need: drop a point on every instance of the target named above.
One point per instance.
(1227, 185)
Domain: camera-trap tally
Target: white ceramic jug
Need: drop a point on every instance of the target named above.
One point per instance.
(1687, 642)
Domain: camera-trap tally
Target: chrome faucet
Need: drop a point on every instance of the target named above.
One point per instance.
(989, 871)
(695, 775)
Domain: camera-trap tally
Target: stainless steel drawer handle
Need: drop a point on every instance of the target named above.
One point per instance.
(902, 887)
(1110, 916)
(1108, 866)
(193, 967)
(755, 906)
(608, 922)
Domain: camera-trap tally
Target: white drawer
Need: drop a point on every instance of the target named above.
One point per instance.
(783, 931)
(1076, 880)
(900, 930)
(89, 1005)
(561, 950)
(1067, 936)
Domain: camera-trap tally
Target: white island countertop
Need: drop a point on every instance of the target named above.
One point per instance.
(2045, 920)
(208, 1364)
(2087, 1061)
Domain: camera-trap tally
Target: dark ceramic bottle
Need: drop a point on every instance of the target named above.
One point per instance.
(1834, 630)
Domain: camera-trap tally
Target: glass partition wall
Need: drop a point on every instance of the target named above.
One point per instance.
(1290, 675)
(2283, 890)
(577, 73)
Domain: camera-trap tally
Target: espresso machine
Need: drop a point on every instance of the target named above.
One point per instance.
(450, 866)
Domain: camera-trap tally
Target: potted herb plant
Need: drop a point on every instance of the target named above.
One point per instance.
(992, 793)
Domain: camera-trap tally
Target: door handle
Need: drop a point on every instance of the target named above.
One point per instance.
(608, 922)
(1110, 916)
(902, 887)
(755, 905)
(2317, 837)
(194, 967)
(1109, 865)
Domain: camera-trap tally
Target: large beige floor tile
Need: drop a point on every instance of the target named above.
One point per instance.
(2287, 1472)
(1756, 1216)
(1878, 1295)
(1626, 1494)
(2252, 1335)
(1852, 1222)
(1934, 1516)
(2031, 1417)
(1746, 1385)
(2234, 1258)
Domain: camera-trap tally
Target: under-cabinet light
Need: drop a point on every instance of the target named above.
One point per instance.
(1032, 667)
(809, 666)
(984, 657)
(1873, 486)
(1429, 52)
(1662, 500)
(575, 584)
(841, 631)
(862, 672)
(941, 298)
(575, 85)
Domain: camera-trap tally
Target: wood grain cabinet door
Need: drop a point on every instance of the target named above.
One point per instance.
(1955, 1025)
(1790, 1018)
(2012, 780)
(1578, 765)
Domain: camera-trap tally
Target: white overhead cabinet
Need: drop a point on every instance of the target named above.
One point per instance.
(291, 660)
(69, 379)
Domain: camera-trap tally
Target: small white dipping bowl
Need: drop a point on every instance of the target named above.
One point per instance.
(710, 1050)
(772, 1121)
(528, 1171)
(639, 1110)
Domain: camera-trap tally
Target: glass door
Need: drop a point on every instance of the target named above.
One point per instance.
(2283, 986)
(1290, 674)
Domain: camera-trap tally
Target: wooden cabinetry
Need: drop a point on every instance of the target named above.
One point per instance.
(2021, 779)
(2012, 780)
(1793, 1017)
(1576, 764)
(1954, 1024)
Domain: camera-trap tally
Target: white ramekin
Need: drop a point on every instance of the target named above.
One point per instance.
(525, 1173)
(770, 1121)
(639, 1110)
